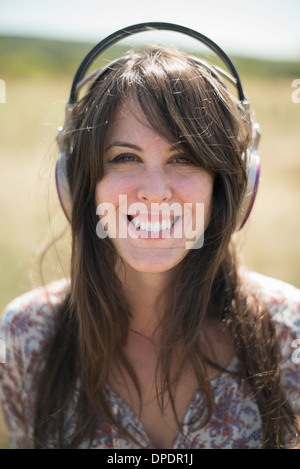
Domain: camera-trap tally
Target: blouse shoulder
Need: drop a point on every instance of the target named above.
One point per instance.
(32, 314)
(283, 302)
(283, 299)
(26, 325)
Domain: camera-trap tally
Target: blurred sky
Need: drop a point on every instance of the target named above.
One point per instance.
(258, 28)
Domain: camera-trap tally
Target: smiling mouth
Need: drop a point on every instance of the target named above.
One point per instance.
(152, 227)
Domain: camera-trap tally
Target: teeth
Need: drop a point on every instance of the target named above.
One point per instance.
(135, 222)
(154, 227)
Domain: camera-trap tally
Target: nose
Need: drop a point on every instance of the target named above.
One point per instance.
(154, 186)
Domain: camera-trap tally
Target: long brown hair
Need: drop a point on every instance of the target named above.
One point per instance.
(186, 103)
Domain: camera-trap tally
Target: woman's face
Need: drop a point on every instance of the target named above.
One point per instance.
(153, 203)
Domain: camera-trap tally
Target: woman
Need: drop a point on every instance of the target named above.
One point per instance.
(152, 344)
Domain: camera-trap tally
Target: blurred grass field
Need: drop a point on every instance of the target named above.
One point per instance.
(38, 79)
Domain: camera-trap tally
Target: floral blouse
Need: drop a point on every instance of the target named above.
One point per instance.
(27, 322)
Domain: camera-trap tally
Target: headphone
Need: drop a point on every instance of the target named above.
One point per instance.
(253, 160)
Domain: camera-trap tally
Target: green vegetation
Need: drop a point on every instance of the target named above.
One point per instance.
(30, 57)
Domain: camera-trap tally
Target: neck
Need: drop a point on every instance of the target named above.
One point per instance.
(145, 295)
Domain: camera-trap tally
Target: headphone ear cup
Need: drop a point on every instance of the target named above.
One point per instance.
(253, 175)
(62, 185)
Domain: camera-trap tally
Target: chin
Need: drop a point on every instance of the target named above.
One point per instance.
(155, 263)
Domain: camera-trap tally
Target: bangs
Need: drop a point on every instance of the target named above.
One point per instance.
(184, 103)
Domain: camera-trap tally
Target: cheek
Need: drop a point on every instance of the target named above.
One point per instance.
(198, 189)
(102, 192)
(109, 189)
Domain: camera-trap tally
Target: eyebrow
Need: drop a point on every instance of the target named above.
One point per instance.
(124, 144)
(174, 146)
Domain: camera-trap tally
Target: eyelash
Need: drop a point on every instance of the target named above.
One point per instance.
(129, 158)
(187, 160)
(122, 158)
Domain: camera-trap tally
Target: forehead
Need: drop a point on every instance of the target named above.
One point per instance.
(130, 121)
(128, 108)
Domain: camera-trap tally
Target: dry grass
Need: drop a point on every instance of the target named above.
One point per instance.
(28, 123)
(272, 242)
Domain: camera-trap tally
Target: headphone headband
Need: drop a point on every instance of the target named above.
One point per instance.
(143, 27)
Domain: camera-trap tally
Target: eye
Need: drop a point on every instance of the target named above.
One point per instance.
(182, 160)
(125, 158)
